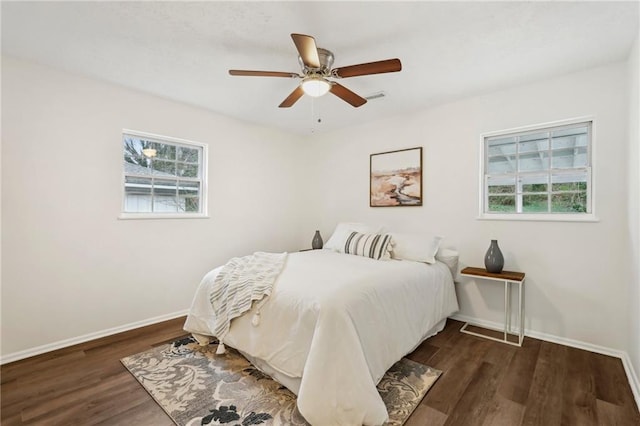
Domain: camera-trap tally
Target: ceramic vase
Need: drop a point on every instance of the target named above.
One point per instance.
(493, 259)
(316, 243)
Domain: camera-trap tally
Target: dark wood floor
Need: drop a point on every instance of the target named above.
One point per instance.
(484, 383)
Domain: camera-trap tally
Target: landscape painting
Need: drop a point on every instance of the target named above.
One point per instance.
(396, 178)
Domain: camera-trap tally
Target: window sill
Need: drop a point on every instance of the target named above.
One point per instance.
(134, 216)
(540, 217)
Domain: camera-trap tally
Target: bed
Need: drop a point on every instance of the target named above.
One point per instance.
(333, 325)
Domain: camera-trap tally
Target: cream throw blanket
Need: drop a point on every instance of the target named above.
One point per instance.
(241, 281)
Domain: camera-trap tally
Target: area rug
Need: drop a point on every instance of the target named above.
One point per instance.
(195, 386)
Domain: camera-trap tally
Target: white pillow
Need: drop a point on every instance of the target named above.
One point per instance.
(375, 246)
(450, 258)
(343, 230)
(417, 247)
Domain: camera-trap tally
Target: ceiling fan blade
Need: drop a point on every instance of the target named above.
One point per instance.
(378, 67)
(307, 49)
(347, 95)
(263, 73)
(292, 98)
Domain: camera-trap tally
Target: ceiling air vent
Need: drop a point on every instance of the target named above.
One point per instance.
(376, 95)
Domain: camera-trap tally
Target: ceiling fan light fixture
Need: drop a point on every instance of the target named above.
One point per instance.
(149, 152)
(315, 86)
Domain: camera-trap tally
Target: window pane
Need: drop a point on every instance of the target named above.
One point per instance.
(137, 185)
(502, 189)
(569, 158)
(502, 185)
(165, 196)
(133, 151)
(192, 204)
(534, 146)
(503, 146)
(534, 183)
(499, 165)
(165, 205)
(135, 169)
(569, 138)
(569, 181)
(533, 161)
(569, 192)
(189, 189)
(569, 142)
(187, 170)
(535, 203)
(165, 187)
(137, 197)
(188, 155)
(163, 168)
(534, 187)
(189, 196)
(502, 204)
(575, 202)
(164, 151)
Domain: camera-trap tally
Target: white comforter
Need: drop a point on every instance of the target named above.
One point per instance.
(338, 322)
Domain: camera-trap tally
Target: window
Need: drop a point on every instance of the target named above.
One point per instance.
(163, 176)
(538, 173)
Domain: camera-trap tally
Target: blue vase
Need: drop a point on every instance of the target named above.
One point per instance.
(493, 259)
(316, 243)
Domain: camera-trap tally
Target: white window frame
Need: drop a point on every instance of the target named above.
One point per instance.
(590, 216)
(203, 214)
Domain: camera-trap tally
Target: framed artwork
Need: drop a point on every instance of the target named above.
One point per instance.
(395, 178)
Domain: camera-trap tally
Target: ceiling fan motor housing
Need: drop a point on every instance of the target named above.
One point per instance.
(326, 62)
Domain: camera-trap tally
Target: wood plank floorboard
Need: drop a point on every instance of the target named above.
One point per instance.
(484, 383)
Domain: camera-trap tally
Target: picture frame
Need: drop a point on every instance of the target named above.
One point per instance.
(395, 178)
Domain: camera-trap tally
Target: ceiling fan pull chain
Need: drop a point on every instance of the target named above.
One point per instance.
(313, 114)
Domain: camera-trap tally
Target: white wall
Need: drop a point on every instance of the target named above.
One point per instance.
(70, 267)
(577, 273)
(634, 208)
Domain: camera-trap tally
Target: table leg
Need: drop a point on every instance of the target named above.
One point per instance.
(509, 328)
(506, 309)
(520, 313)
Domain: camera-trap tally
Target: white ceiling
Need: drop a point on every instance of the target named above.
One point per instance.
(449, 50)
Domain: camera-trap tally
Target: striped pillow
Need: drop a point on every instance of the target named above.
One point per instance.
(375, 246)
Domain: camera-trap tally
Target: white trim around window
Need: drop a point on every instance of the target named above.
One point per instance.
(188, 176)
(518, 214)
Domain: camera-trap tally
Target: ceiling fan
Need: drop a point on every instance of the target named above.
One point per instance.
(316, 70)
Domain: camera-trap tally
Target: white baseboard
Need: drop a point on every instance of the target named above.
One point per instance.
(634, 383)
(16, 356)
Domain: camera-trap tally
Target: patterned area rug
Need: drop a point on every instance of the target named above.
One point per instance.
(196, 387)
